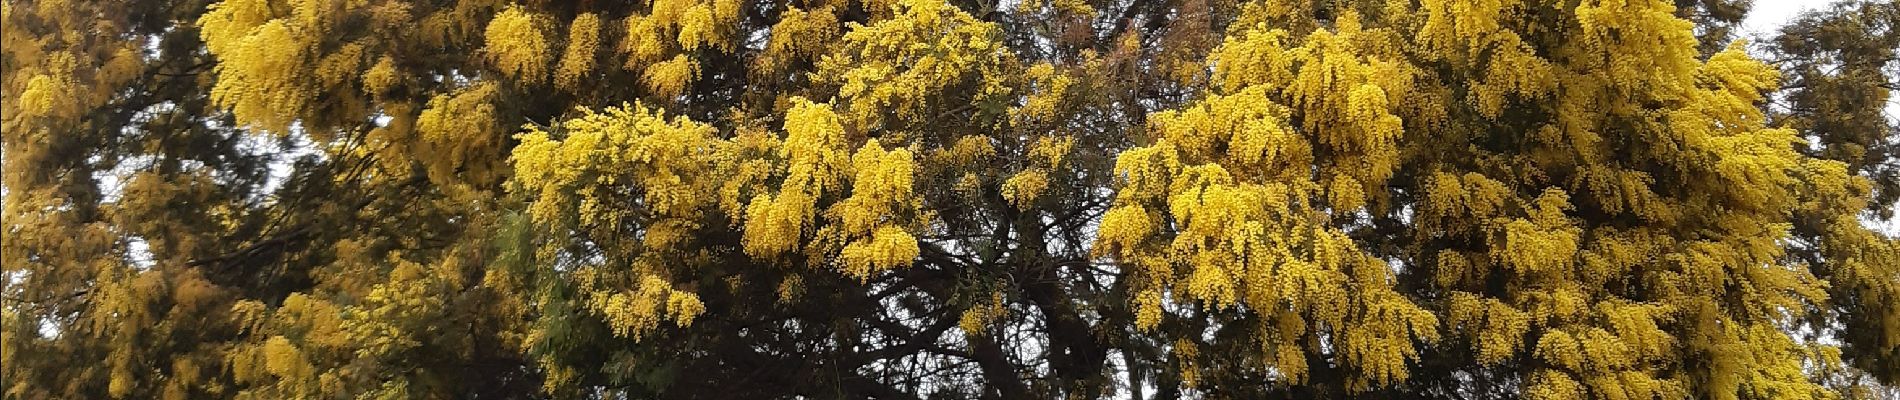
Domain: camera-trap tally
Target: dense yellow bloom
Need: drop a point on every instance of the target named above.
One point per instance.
(43, 95)
(874, 185)
(461, 128)
(264, 82)
(627, 145)
(1022, 188)
(976, 320)
(583, 39)
(380, 77)
(669, 78)
(516, 44)
(815, 165)
(1249, 218)
(1580, 199)
(799, 34)
(927, 47)
(886, 248)
(633, 313)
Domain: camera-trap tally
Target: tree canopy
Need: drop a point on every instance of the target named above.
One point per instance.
(943, 199)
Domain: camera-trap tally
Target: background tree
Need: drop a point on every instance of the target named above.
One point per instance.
(1840, 72)
(944, 199)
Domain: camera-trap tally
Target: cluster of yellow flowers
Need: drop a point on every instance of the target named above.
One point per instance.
(264, 76)
(627, 145)
(664, 45)
(1603, 212)
(1045, 158)
(460, 128)
(1250, 218)
(516, 44)
(800, 34)
(52, 93)
(816, 164)
(320, 347)
(895, 65)
(1600, 303)
(583, 40)
(977, 320)
(633, 313)
(577, 174)
(287, 364)
(880, 193)
(669, 78)
(1021, 189)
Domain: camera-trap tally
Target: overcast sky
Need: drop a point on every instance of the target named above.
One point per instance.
(1769, 14)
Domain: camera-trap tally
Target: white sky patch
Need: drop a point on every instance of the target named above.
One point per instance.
(138, 253)
(283, 159)
(1768, 15)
